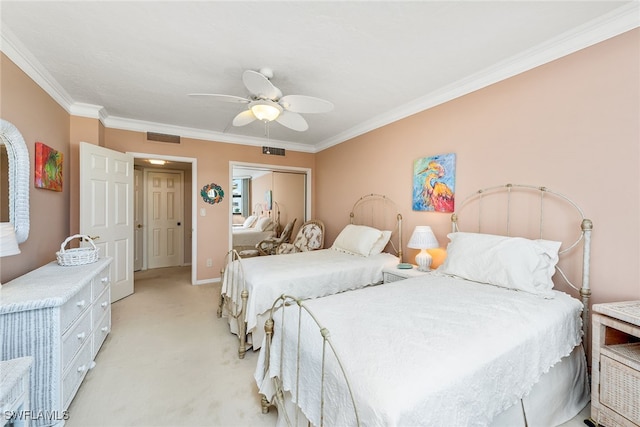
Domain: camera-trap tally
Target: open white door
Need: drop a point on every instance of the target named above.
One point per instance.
(106, 210)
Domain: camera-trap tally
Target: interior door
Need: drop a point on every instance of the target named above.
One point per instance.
(106, 210)
(164, 219)
(138, 223)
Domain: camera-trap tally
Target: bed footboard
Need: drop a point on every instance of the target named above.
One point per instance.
(275, 329)
(233, 291)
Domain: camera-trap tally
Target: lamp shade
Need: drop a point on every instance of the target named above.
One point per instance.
(423, 238)
(8, 241)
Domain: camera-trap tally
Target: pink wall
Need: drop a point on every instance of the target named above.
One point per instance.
(571, 125)
(39, 119)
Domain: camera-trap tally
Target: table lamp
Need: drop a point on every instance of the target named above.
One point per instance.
(423, 239)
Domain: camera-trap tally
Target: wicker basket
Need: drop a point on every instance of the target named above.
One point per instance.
(77, 256)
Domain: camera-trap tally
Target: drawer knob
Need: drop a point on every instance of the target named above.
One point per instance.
(105, 329)
(104, 304)
(81, 335)
(81, 303)
(82, 368)
(104, 280)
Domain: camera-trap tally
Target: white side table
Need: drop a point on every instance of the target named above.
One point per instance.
(615, 376)
(14, 391)
(393, 274)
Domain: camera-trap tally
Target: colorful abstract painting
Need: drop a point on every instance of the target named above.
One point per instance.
(48, 168)
(434, 183)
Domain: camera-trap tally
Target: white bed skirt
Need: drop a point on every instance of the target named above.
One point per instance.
(559, 396)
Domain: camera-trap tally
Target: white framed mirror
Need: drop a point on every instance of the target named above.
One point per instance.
(17, 178)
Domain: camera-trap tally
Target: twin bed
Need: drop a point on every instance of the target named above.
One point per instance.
(486, 339)
(355, 260)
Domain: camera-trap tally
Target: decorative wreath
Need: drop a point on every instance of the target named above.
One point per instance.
(212, 193)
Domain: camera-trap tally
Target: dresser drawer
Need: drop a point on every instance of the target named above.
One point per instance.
(73, 308)
(100, 307)
(101, 331)
(100, 283)
(74, 376)
(75, 337)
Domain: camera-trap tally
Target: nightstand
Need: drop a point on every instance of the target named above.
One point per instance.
(393, 274)
(615, 377)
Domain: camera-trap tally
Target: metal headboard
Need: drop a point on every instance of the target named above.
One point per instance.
(586, 226)
(379, 211)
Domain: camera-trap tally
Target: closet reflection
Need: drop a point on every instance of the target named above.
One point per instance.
(279, 194)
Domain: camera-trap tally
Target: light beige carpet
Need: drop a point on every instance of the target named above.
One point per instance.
(169, 361)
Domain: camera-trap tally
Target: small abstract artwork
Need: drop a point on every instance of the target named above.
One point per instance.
(434, 183)
(48, 168)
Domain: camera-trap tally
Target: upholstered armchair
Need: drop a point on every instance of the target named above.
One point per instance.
(270, 245)
(309, 238)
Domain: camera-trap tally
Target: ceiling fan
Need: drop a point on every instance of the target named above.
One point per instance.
(267, 104)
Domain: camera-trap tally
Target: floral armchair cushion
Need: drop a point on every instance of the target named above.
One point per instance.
(309, 238)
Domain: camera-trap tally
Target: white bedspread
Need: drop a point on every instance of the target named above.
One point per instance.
(305, 275)
(432, 350)
(249, 236)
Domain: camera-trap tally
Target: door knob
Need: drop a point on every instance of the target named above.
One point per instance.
(139, 225)
(179, 223)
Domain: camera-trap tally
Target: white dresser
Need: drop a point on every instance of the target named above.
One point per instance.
(60, 316)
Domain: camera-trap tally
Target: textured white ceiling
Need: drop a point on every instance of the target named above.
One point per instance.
(133, 63)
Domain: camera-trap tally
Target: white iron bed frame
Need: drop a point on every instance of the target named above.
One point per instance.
(373, 210)
(328, 349)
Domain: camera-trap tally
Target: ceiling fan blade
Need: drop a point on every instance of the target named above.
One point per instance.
(244, 118)
(293, 121)
(305, 104)
(259, 85)
(224, 98)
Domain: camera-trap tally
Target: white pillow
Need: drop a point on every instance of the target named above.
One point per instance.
(509, 262)
(248, 223)
(381, 243)
(262, 223)
(356, 240)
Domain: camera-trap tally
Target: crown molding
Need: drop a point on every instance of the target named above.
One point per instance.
(618, 21)
(15, 50)
(206, 135)
(91, 111)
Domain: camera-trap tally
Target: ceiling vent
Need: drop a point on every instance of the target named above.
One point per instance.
(163, 137)
(273, 151)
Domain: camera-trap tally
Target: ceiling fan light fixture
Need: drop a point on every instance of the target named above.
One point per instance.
(265, 110)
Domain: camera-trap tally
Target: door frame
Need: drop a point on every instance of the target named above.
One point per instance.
(194, 203)
(271, 168)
